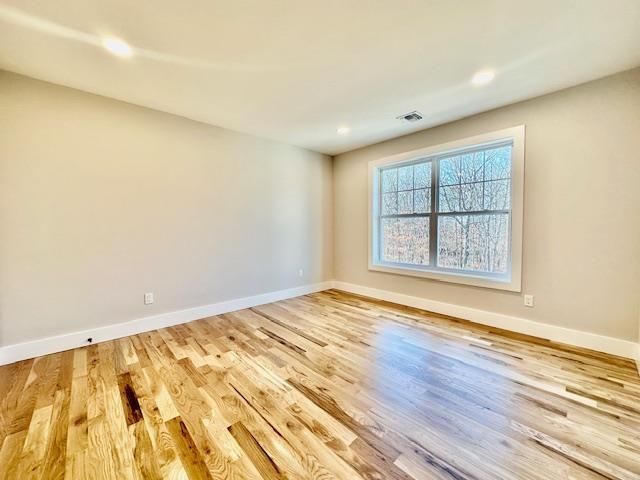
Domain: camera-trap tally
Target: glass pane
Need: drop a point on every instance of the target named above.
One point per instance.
(497, 195)
(389, 203)
(422, 200)
(390, 180)
(461, 198)
(405, 240)
(478, 243)
(449, 200)
(405, 202)
(422, 175)
(405, 178)
(472, 167)
(498, 163)
(465, 168)
(470, 197)
(450, 171)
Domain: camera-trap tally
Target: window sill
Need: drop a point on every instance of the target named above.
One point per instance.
(512, 285)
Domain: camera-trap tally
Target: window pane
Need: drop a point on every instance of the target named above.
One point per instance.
(461, 198)
(389, 203)
(465, 168)
(472, 167)
(405, 178)
(405, 240)
(478, 243)
(422, 175)
(390, 180)
(450, 171)
(497, 195)
(498, 163)
(422, 200)
(470, 197)
(405, 202)
(449, 200)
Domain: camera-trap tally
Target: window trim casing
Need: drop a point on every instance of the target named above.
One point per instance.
(514, 280)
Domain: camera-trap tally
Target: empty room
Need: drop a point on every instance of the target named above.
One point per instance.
(296, 239)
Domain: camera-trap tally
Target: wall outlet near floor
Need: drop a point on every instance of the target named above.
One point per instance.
(301, 273)
(528, 300)
(148, 298)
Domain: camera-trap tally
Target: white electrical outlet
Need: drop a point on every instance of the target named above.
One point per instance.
(148, 298)
(528, 300)
(301, 272)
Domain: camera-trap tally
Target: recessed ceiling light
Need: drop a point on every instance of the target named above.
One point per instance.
(117, 47)
(483, 77)
(343, 130)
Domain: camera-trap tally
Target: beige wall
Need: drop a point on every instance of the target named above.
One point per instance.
(582, 209)
(101, 201)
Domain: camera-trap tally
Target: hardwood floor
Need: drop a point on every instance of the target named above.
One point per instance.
(325, 386)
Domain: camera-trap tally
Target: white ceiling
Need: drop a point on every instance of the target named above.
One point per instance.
(295, 70)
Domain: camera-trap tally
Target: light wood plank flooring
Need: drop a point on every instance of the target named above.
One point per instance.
(323, 386)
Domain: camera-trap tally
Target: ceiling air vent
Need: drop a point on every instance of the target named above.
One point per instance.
(410, 117)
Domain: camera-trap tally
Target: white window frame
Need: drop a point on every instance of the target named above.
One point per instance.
(513, 278)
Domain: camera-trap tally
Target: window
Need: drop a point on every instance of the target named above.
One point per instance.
(451, 212)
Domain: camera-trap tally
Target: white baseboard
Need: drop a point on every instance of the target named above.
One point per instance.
(601, 343)
(59, 343)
